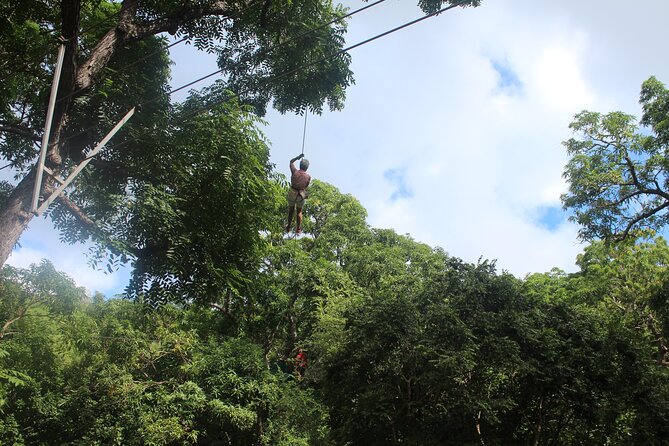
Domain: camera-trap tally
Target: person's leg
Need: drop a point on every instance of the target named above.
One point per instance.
(298, 220)
(290, 197)
(290, 217)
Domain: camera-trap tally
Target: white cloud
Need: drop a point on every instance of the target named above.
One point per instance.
(24, 257)
(41, 242)
(559, 81)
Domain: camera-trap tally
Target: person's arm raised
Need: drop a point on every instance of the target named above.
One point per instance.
(292, 166)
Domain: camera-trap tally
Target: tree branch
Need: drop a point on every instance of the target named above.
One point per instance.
(642, 216)
(6, 325)
(128, 30)
(73, 208)
(625, 198)
(637, 183)
(263, 13)
(219, 308)
(70, 18)
(657, 191)
(630, 166)
(84, 219)
(78, 213)
(135, 31)
(19, 130)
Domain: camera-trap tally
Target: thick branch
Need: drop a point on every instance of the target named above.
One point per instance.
(637, 183)
(70, 16)
(170, 24)
(630, 166)
(84, 219)
(78, 213)
(636, 193)
(642, 216)
(657, 191)
(74, 209)
(625, 198)
(105, 48)
(7, 324)
(129, 30)
(217, 307)
(19, 130)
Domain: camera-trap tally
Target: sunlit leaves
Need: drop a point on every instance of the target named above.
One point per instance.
(618, 175)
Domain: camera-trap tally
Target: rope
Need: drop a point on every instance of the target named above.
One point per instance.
(304, 132)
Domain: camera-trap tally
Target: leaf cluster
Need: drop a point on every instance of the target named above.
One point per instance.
(617, 173)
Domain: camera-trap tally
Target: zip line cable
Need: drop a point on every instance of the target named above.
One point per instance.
(325, 58)
(278, 45)
(197, 111)
(173, 44)
(271, 48)
(406, 25)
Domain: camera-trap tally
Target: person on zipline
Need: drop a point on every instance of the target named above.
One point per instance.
(299, 181)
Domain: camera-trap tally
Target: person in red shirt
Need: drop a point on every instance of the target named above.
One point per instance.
(299, 181)
(300, 363)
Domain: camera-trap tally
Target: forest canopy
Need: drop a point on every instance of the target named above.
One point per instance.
(402, 344)
(231, 333)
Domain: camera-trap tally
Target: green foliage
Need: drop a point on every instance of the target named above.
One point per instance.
(5, 190)
(283, 51)
(37, 289)
(116, 373)
(431, 6)
(554, 285)
(23, 69)
(618, 176)
(334, 220)
(627, 280)
(473, 360)
(404, 344)
(189, 217)
(166, 188)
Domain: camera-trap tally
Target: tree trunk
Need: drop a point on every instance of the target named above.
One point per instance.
(538, 427)
(15, 216)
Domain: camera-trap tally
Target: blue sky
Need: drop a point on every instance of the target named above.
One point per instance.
(508, 82)
(453, 130)
(397, 178)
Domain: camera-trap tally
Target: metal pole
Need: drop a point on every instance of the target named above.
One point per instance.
(83, 164)
(47, 127)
